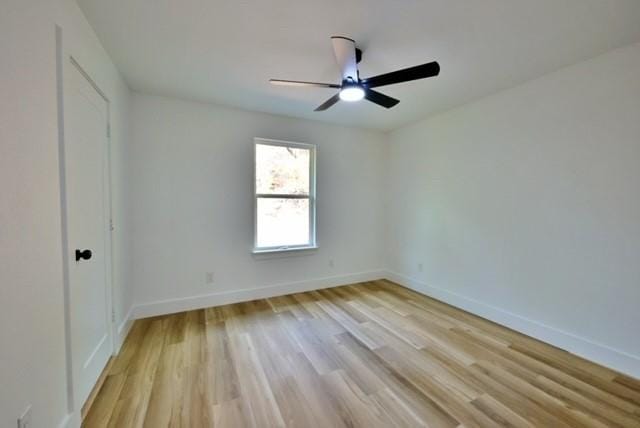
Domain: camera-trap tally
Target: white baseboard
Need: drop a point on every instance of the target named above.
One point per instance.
(73, 420)
(599, 353)
(123, 329)
(170, 306)
(66, 421)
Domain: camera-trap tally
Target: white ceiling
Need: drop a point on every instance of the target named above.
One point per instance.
(225, 51)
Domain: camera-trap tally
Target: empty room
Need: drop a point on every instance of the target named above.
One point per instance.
(297, 213)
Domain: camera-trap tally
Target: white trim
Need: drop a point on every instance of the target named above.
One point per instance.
(71, 419)
(169, 306)
(66, 421)
(60, 67)
(282, 196)
(311, 196)
(581, 346)
(285, 249)
(123, 330)
(95, 351)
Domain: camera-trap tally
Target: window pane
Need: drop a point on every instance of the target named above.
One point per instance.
(282, 222)
(283, 170)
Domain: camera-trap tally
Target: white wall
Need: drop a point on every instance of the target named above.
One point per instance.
(527, 203)
(192, 203)
(32, 335)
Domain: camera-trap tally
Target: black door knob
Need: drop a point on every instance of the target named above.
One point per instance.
(84, 254)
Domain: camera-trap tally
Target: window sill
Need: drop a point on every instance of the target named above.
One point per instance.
(283, 252)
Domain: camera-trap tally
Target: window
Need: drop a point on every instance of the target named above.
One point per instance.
(285, 205)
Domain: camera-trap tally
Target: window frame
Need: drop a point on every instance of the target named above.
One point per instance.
(312, 244)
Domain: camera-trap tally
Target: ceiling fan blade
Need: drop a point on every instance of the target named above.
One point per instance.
(380, 99)
(345, 52)
(429, 69)
(331, 101)
(299, 83)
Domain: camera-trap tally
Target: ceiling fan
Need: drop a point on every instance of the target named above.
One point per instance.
(352, 87)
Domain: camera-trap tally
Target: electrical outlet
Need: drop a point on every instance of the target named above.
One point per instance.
(209, 278)
(420, 267)
(25, 420)
(331, 264)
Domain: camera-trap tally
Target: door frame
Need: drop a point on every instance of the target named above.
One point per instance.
(64, 61)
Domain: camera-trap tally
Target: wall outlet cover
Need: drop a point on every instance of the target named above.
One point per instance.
(209, 277)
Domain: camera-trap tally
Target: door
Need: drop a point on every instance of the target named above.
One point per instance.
(86, 183)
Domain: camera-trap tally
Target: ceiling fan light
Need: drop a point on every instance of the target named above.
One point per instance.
(352, 93)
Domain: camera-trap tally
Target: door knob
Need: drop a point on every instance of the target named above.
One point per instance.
(84, 254)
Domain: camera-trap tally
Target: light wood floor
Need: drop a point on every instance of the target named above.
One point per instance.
(367, 355)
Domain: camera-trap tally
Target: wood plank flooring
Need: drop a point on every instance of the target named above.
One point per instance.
(366, 355)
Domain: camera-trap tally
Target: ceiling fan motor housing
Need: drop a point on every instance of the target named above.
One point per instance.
(352, 88)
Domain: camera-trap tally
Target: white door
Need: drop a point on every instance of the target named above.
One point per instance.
(86, 178)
